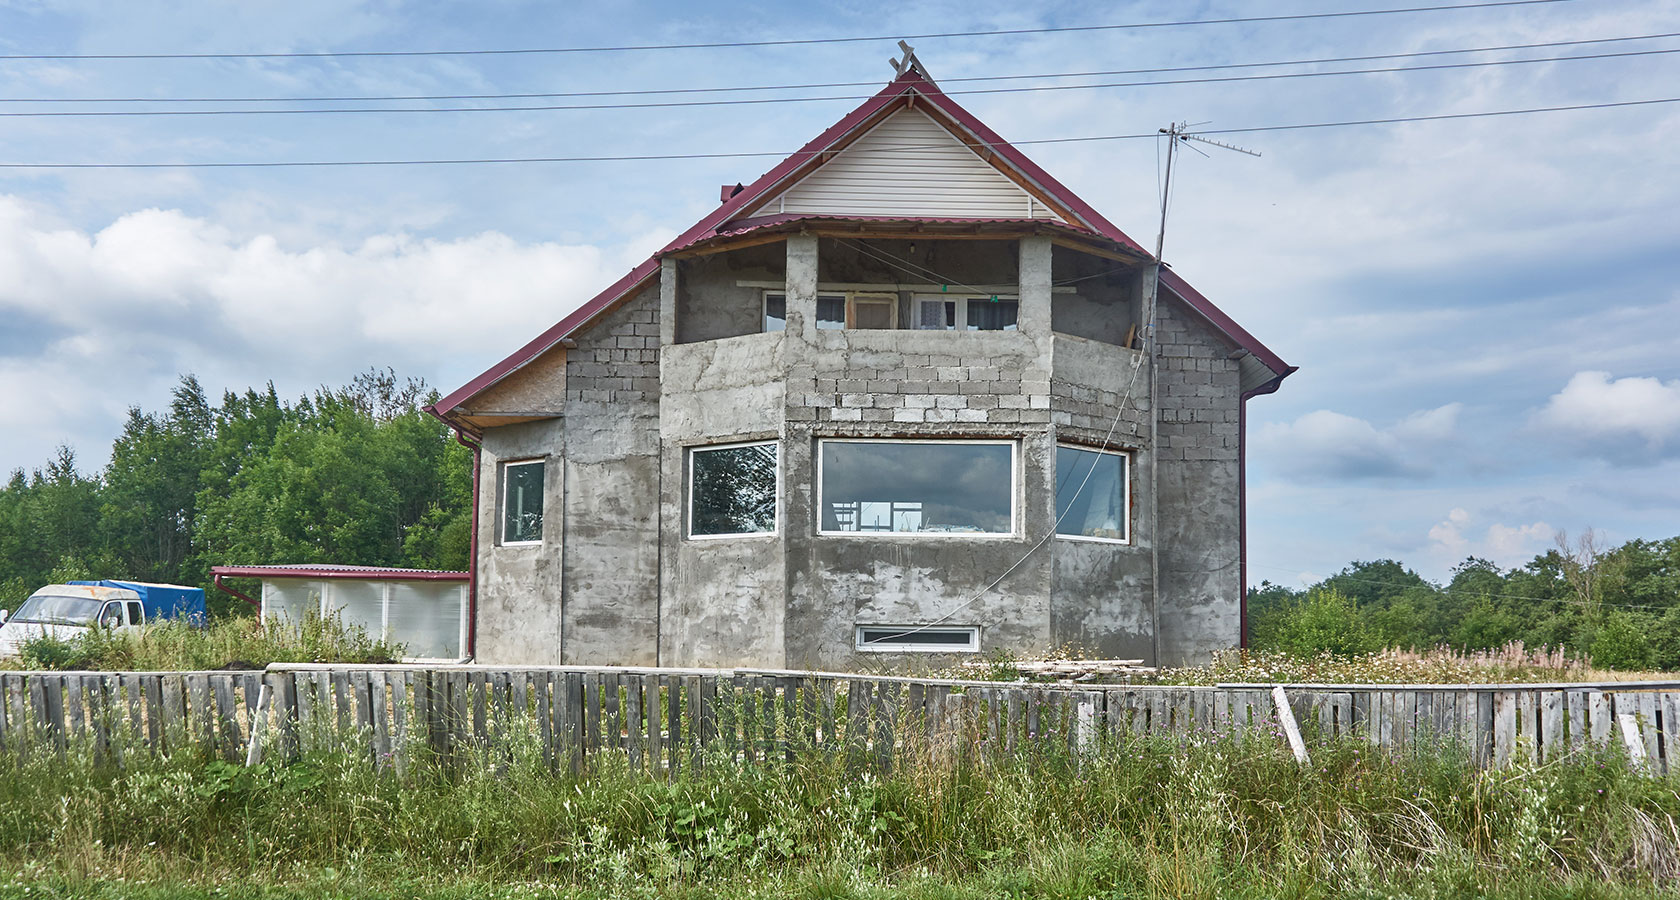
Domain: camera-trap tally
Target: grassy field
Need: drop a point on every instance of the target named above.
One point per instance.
(1143, 817)
(240, 642)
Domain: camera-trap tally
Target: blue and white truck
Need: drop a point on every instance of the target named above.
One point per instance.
(66, 610)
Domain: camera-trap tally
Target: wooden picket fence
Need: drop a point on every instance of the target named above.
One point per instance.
(662, 720)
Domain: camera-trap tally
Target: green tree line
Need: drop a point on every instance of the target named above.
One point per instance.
(1618, 605)
(355, 475)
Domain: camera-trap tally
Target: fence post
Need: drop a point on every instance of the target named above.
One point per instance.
(1286, 718)
(259, 727)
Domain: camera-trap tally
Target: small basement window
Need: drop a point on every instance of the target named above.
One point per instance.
(522, 502)
(732, 490)
(942, 638)
(928, 488)
(976, 313)
(1093, 496)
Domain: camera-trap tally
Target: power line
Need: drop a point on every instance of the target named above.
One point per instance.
(756, 101)
(844, 84)
(718, 45)
(653, 157)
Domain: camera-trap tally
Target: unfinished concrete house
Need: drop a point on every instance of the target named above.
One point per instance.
(904, 395)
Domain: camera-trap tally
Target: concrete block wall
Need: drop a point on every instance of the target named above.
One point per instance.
(634, 589)
(1197, 488)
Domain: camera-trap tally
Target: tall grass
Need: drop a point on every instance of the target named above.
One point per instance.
(1138, 816)
(231, 642)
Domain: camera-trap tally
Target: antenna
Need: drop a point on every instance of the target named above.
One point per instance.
(1179, 133)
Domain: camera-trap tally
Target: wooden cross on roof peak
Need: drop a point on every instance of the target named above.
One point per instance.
(908, 63)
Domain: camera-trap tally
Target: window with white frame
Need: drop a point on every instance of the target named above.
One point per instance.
(943, 312)
(522, 502)
(732, 490)
(1093, 494)
(925, 638)
(853, 309)
(891, 487)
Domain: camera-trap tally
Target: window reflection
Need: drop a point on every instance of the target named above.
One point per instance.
(1090, 494)
(899, 487)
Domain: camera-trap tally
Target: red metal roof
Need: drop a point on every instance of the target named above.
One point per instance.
(324, 570)
(713, 225)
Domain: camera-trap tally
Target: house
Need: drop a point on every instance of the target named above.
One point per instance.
(904, 394)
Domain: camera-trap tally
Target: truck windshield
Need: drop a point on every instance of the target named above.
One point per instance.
(49, 610)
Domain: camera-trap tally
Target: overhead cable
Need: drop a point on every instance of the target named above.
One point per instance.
(785, 42)
(536, 95)
(652, 157)
(758, 101)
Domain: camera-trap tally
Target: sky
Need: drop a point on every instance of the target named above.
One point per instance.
(1485, 311)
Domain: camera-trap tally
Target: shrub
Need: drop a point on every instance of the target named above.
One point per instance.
(1322, 621)
(1621, 643)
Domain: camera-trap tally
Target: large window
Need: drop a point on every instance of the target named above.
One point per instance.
(916, 487)
(1092, 496)
(837, 311)
(942, 313)
(732, 490)
(522, 502)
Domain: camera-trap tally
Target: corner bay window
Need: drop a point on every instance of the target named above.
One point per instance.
(1091, 494)
(732, 490)
(522, 502)
(916, 487)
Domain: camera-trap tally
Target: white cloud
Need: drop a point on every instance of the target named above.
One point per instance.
(1626, 420)
(1330, 445)
(1453, 539)
(99, 321)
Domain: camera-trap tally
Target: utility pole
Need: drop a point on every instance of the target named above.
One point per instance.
(1177, 133)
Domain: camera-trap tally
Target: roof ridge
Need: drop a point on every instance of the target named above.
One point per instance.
(912, 80)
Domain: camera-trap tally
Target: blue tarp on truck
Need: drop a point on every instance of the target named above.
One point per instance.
(162, 601)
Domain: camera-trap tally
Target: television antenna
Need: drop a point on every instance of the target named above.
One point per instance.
(1179, 133)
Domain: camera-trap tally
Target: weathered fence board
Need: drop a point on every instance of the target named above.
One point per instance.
(661, 721)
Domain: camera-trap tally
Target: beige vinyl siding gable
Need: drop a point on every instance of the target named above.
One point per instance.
(908, 166)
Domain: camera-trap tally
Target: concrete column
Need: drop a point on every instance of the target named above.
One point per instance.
(667, 302)
(1035, 286)
(802, 286)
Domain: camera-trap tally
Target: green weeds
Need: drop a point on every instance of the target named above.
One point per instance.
(1138, 817)
(235, 642)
